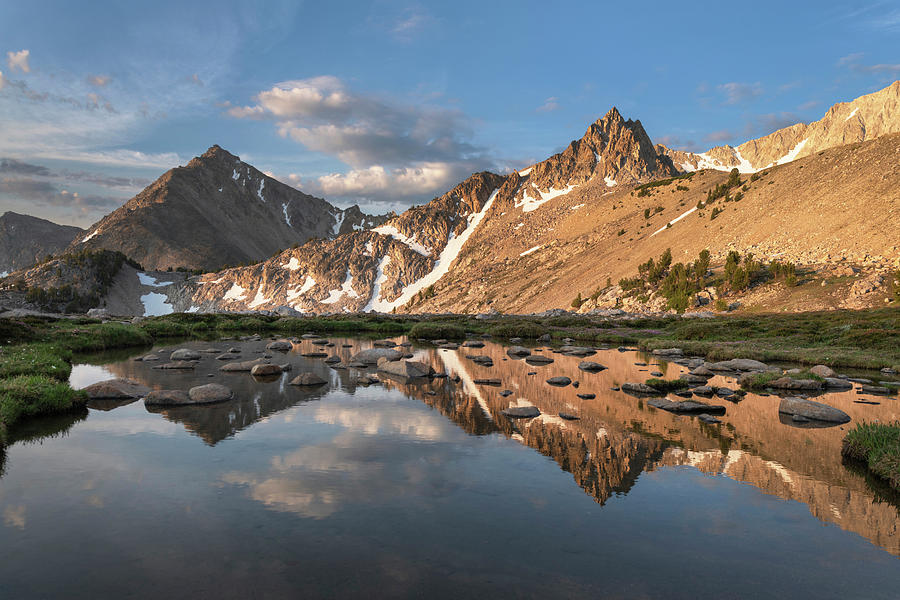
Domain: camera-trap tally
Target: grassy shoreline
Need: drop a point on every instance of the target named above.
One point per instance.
(44, 348)
(877, 446)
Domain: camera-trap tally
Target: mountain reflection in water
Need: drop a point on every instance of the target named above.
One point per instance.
(615, 439)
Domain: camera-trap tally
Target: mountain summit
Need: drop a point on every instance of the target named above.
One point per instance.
(217, 211)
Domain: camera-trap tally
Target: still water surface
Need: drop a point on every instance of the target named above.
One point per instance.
(426, 490)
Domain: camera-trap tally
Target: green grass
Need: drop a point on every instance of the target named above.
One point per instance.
(878, 446)
(758, 381)
(35, 359)
(437, 331)
(522, 329)
(33, 395)
(667, 385)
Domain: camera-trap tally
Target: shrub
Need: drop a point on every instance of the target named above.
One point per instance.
(436, 331)
(877, 445)
(577, 301)
(517, 329)
(720, 305)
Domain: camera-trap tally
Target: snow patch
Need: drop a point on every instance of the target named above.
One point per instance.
(90, 236)
(409, 241)
(529, 203)
(530, 250)
(851, 115)
(375, 303)
(155, 305)
(192, 309)
(525, 172)
(448, 255)
(792, 154)
(610, 182)
(673, 221)
(369, 248)
(287, 219)
(346, 289)
(151, 281)
(235, 175)
(296, 293)
(235, 293)
(4, 273)
(292, 265)
(259, 192)
(338, 221)
(576, 207)
(259, 300)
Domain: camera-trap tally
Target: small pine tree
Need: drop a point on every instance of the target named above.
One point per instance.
(577, 302)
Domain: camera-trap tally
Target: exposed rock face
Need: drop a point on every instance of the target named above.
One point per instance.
(217, 211)
(24, 240)
(865, 118)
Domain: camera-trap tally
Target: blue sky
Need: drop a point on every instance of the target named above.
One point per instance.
(389, 103)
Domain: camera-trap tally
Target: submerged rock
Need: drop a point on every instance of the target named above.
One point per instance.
(521, 412)
(586, 396)
(686, 407)
(640, 388)
(538, 359)
(590, 366)
(568, 416)
(167, 398)
(518, 351)
(183, 365)
(237, 367)
(280, 345)
(307, 379)
(404, 368)
(560, 381)
(116, 389)
(262, 370)
(184, 354)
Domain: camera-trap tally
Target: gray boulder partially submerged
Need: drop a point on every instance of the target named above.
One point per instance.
(809, 409)
(116, 389)
(371, 356)
(237, 367)
(210, 393)
(409, 369)
(521, 412)
(307, 379)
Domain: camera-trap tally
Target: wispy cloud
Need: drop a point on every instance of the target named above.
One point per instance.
(853, 62)
(549, 105)
(737, 93)
(99, 80)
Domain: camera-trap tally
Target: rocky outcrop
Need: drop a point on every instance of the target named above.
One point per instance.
(865, 118)
(215, 211)
(815, 411)
(24, 240)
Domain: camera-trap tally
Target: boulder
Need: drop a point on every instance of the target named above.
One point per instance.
(404, 368)
(738, 364)
(538, 359)
(789, 383)
(116, 389)
(874, 389)
(333, 359)
(668, 352)
(809, 409)
(321, 342)
(473, 344)
(262, 370)
(280, 345)
(184, 354)
(98, 313)
(686, 407)
(209, 393)
(384, 343)
(568, 416)
(167, 398)
(487, 381)
(691, 378)
(237, 367)
(560, 381)
(307, 379)
(586, 396)
(315, 354)
(822, 371)
(640, 388)
(371, 356)
(545, 339)
(580, 351)
(521, 412)
(590, 366)
(835, 383)
(702, 371)
(703, 390)
(518, 351)
(706, 418)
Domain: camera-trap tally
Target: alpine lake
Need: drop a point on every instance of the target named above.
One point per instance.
(369, 487)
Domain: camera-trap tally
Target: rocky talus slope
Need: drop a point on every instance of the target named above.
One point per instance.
(865, 118)
(217, 211)
(25, 240)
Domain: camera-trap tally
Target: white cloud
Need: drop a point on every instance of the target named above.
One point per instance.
(2, 80)
(430, 178)
(18, 60)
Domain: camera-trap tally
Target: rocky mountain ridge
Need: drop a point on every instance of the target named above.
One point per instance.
(24, 240)
(216, 211)
(865, 118)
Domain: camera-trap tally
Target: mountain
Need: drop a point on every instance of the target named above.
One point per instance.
(401, 261)
(865, 118)
(217, 211)
(24, 240)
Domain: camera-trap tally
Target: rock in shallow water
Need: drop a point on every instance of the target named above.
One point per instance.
(263, 370)
(560, 381)
(590, 366)
(371, 356)
(116, 389)
(167, 398)
(307, 379)
(210, 393)
(809, 409)
(521, 412)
